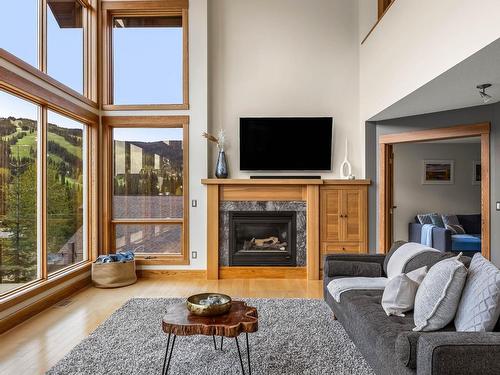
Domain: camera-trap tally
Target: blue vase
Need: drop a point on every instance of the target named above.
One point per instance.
(221, 167)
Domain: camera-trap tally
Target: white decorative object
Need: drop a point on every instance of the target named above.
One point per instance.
(346, 165)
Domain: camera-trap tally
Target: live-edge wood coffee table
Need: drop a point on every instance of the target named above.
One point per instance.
(180, 322)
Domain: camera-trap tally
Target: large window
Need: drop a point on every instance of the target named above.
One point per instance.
(53, 36)
(149, 191)
(19, 29)
(43, 207)
(66, 192)
(145, 57)
(65, 42)
(19, 254)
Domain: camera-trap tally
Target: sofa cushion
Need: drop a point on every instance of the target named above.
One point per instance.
(471, 223)
(355, 269)
(479, 307)
(465, 242)
(407, 344)
(439, 294)
(396, 245)
(361, 314)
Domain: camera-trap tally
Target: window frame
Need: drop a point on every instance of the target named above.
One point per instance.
(108, 235)
(34, 92)
(111, 9)
(89, 95)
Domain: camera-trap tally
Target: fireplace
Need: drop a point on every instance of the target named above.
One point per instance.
(262, 238)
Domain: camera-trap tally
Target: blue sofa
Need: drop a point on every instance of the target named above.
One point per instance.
(444, 240)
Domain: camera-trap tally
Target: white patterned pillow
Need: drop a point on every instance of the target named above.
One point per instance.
(455, 228)
(438, 296)
(425, 218)
(479, 308)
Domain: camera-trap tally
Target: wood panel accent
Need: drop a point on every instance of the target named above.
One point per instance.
(263, 272)
(344, 219)
(261, 193)
(348, 182)
(386, 178)
(459, 131)
(42, 304)
(172, 274)
(30, 90)
(313, 222)
(212, 232)
(385, 183)
(10, 58)
(485, 196)
(258, 181)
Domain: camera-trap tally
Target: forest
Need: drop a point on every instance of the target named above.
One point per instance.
(18, 196)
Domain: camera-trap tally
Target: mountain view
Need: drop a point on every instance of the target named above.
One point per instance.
(18, 198)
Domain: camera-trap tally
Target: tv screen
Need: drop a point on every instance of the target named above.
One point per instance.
(286, 143)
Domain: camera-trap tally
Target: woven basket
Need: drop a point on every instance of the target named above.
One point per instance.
(113, 275)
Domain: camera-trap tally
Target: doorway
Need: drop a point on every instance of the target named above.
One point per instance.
(386, 176)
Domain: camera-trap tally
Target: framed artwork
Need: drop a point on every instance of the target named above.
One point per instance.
(476, 172)
(438, 172)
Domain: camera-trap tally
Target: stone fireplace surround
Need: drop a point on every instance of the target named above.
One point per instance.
(226, 207)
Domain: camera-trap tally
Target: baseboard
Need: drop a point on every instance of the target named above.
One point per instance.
(172, 274)
(262, 272)
(38, 306)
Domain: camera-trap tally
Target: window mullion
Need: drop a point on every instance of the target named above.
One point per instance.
(42, 35)
(42, 192)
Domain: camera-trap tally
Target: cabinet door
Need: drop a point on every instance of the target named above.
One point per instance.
(353, 215)
(331, 223)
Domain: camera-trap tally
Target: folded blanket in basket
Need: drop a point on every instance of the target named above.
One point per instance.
(124, 256)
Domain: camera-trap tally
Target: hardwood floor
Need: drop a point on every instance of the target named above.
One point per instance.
(36, 345)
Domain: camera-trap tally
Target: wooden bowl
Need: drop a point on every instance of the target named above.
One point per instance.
(209, 304)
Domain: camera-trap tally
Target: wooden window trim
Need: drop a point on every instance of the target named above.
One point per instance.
(34, 288)
(107, 234)
(459, 131)
(14, 84)
(113, 8)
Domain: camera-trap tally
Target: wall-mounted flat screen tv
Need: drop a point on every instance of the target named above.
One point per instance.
(286, 143)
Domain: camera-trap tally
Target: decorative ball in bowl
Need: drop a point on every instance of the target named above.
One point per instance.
(209, 304)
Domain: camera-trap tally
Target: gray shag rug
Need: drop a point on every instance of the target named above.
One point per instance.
(296, 336)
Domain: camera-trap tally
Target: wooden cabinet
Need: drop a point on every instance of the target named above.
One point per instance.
(343, 218)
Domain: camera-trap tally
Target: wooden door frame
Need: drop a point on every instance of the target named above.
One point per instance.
(386, 143)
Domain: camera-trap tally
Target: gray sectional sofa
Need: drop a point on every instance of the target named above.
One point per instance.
(388, 343)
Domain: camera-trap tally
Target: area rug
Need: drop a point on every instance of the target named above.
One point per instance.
(295, 336)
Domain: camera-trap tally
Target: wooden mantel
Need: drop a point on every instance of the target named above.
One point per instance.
(268, 189)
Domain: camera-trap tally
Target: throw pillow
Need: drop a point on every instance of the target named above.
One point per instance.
(479, 307)
(451, 222)
(396, 245)
(438, 296)
(455, 228)
(437, 220)
(399, 293)
(425, 218)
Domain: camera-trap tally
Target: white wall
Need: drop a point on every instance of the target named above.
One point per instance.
(367, 17)
(285, 58)
(412, 197)
(416, 41)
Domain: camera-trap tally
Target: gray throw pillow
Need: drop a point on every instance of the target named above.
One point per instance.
(425, 218)
(399, 293)
(479, 307)
(455, 228)
(451, 222)
(437, 220)
(438, 296)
